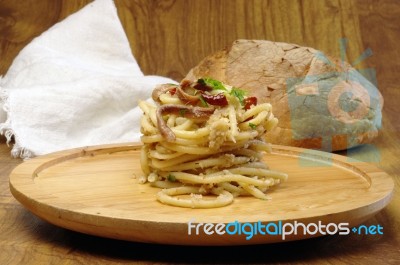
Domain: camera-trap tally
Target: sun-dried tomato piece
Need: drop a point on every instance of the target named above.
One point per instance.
(202, 86)
(250, 101)
(216, 100)
(172, 91)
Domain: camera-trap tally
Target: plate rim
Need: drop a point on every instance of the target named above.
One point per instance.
(51, 159)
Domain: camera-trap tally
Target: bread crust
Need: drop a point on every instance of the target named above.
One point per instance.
(340, 109)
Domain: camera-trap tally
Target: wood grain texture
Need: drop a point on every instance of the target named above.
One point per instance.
(170, 37)
(194, 29)
(95, 191)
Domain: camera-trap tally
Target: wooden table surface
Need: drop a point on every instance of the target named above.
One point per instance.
(168, 38)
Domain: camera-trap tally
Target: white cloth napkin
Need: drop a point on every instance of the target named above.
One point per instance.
(75, 85)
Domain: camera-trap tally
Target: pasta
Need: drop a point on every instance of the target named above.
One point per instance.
(203, 144)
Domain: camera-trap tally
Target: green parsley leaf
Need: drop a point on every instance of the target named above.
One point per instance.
(214, 84)
(252, 125)
(171, 178)
(201, 81)
(239, 94)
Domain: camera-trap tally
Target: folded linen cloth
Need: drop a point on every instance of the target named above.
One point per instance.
(77, 84)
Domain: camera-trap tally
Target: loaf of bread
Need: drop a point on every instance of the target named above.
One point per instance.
(321, 102)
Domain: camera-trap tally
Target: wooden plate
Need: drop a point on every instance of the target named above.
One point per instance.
(93, 190)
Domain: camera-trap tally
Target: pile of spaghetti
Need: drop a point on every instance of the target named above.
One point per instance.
(204, 144)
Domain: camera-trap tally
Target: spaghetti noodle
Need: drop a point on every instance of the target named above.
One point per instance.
(203, 144)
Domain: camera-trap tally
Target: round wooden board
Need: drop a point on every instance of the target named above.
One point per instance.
(93, 190)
